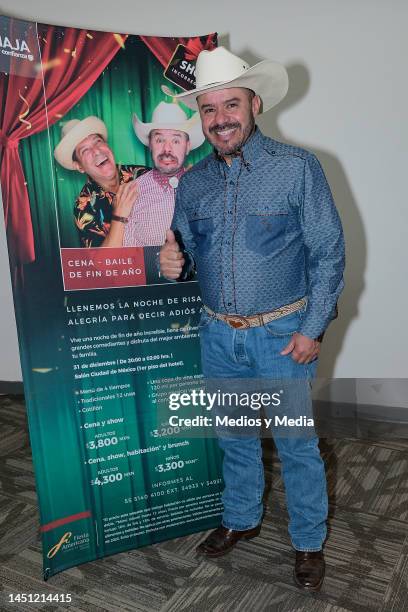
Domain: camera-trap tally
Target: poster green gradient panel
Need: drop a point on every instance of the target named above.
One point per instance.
(109, 474)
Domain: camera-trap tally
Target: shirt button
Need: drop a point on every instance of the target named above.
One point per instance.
(231, 183)
(229, 304)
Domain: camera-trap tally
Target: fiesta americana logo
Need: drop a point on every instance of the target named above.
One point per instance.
(15, 47)
(64, 540)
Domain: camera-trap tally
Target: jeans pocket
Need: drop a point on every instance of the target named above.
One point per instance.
(285, 326)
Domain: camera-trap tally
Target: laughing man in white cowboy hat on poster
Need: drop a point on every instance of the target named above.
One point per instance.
(110, 187)
(258, 222)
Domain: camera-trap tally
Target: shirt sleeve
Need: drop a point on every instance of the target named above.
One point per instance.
(140, 170)
(85, 221)
(324, 247)
(183, 234)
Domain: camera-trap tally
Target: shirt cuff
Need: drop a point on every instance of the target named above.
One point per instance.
(189, 268)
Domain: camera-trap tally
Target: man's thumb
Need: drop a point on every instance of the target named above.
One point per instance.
(170, 237)
(289, 347)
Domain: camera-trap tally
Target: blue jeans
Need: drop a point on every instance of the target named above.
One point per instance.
(255, 353)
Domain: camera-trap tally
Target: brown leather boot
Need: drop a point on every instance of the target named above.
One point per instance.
(309, 570)
(222, 540)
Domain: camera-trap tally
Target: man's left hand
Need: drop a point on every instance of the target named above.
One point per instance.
(302, 348)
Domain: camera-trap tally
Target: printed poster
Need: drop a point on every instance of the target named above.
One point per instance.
(100, 332)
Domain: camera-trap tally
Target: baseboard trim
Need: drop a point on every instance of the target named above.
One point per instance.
(8, 387)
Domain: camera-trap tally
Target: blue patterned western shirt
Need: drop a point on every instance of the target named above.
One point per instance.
(262, 232)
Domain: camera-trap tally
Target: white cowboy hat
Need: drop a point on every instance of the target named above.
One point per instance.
(170, 117)
(73, 132)
(221, 69)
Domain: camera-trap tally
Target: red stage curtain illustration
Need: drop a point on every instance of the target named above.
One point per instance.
(163, 48)
(65, 82)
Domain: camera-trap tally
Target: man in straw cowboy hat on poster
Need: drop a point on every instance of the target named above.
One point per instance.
(258, 222)
(110, 188)
(170, 137)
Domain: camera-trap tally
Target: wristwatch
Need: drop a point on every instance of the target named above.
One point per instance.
(121, 219)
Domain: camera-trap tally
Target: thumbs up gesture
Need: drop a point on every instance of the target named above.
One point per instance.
(171, 257)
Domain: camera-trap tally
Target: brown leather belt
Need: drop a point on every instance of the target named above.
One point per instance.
(241, 322)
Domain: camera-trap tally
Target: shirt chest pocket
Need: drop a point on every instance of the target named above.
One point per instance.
(266, 228)
(202, 227)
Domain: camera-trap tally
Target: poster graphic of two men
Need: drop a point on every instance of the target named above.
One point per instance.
(114, 209)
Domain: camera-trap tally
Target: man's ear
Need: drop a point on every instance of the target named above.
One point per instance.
(77, 166)
(188, 147)
(256, 105)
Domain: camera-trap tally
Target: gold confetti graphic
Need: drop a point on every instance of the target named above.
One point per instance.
(186, 328)
(167, 91)
(43, 370)
(88, 35)
(48, 65)
(120, 40)
(25, 113)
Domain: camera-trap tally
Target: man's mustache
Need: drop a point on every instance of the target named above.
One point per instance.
(224, 126)
(164, 156)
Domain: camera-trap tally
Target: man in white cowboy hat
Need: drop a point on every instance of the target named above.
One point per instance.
(258, 222)
(110, 188)
(170, 136)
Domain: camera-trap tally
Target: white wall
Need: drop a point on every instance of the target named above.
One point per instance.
(347, 102)
(9, 358)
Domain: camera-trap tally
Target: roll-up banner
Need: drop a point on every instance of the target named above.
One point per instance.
(100, 331)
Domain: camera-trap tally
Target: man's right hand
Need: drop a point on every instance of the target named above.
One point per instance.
(171, 257)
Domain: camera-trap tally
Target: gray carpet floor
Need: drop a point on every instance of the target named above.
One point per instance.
(366, 552)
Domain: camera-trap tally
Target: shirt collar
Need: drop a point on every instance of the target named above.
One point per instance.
(163, 180)
(250, 150)
(97, 188)
(253, 146)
